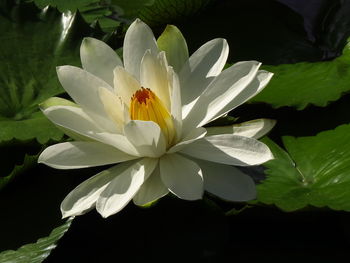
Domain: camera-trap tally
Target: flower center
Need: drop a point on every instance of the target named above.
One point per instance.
(146, 106)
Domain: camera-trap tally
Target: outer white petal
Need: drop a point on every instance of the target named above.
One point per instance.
(138, 39)
(124, 187)
(176, 108)
(125, 85)
(253, 129)
(258, 84)
(99, 59)
(85, 195)
(113, 107)
(154, 76)
(146, 136)
(83, 87)
(175, 47)
(151, 190)
(73, 155)
(182, 176)
(227, 182)
(204, 64)
(221, 92)
(195, 134)
(118, 141)
(73, 120)
(229, 149)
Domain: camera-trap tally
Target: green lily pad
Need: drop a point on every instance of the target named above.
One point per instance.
(32, 43)
(168, 11)
(28, 162)
(298, 85)
(313, 171)
(36, 252)
(64, 5)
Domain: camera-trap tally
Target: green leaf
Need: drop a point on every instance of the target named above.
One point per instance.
(300, 84)
(130, 9)
(169, 11)
(314, 171)
(28, 162)
(91, 10)
(36, 252)
(32, 43)
(64, 5)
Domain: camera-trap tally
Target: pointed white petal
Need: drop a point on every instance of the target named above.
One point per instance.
(227, 182)
(151, 190)
(118, 141)
(176, 111)
(124, 187)
(195, 134)
(253, 129)
(146, 136)
(125, 85)
(56, 101)
(182, 176)
(138, 39)
(174, 44)
(75, 120)
(229, 149)
(74, 155)
(72, 120)
(99, 59)
(204, 64)
(221, 92)
(84, 196)
(258, 84)
(154, 76)
(113, 107)
(83, 87)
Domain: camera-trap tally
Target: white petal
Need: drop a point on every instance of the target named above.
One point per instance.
(151, 190)
(258, 84)
(195, 134)
(154, 76)
(204, 64)
(73, 155)
(182, 176)
(221, 92)
(124, 187)
(125, 85)
(99, 59)
(72, 120)
(113, 107)
(83, 87)
(85, 195)
(176, 111)
(253, 129)
(146, 136)
(118, 141)
(56, 101)
(138, 39)
(174, 44)
(229, 149)
(227, 182)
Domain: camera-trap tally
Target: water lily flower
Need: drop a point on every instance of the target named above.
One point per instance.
(146, 115)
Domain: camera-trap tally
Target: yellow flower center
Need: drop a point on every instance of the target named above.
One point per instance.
(146, 106)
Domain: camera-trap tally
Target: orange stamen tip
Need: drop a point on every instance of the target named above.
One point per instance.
(142, 95)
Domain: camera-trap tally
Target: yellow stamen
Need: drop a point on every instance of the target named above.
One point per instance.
(146, 106)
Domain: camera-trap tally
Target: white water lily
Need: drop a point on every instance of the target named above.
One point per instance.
(146, 114)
